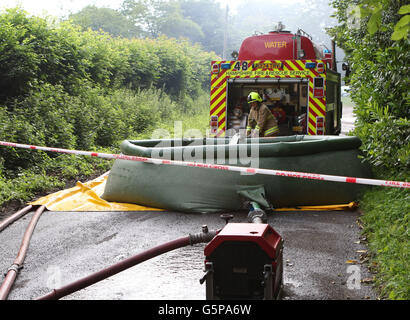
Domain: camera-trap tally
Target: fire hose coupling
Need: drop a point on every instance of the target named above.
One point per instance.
(14, 267)
(203, 237)
(256, 214)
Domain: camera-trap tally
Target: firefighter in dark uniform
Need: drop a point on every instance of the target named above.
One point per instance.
(260, 120)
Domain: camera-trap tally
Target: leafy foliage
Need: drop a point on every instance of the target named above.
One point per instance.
(374, 10)
(207, 22)
(379, 80)
(198, 21)
(106, 19)
(66, 87)
(374, 35)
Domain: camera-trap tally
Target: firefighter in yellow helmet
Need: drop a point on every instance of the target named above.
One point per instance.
(260, 120)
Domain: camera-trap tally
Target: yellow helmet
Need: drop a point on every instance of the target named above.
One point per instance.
(253, 97)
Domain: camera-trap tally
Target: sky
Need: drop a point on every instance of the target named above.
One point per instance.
(58, 7)
(61, 8)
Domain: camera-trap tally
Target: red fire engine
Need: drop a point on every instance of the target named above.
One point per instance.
(296, 78)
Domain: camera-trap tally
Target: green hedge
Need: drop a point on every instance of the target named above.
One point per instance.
(85, 90)
(379, 84)
(34, 51)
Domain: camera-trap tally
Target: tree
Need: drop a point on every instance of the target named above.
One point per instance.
(379, 78)
(106, 19)
(144, 14)
(173, 23)
(210, 17)
(199, 21)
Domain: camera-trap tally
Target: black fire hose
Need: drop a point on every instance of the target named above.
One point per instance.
(203, 237)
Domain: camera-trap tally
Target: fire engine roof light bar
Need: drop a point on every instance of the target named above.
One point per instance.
(263, 80)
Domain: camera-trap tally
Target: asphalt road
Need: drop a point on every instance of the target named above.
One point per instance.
(348, 117)
(67, 246)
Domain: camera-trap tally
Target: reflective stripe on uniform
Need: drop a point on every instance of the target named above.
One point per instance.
(272, 130)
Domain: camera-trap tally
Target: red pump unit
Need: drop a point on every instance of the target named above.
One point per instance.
(244, 261)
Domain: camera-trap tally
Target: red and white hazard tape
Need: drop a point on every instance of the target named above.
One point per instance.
(292, 174)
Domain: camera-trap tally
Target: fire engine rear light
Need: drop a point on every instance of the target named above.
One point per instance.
(320, 67)
(320, 125)
(327, 53)
(318, 87)
(215, 68)
(214, 124)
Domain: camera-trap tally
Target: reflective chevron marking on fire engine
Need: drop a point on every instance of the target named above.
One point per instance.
(316, 109)
(218, 98)
(317, 106)
(272, 172)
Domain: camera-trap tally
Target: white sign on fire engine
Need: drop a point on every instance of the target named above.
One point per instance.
(267, 73)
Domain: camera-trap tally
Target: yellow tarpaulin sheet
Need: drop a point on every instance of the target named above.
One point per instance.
(328, 207)
(86, 197)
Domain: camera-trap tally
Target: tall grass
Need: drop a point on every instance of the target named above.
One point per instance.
(386, 222)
